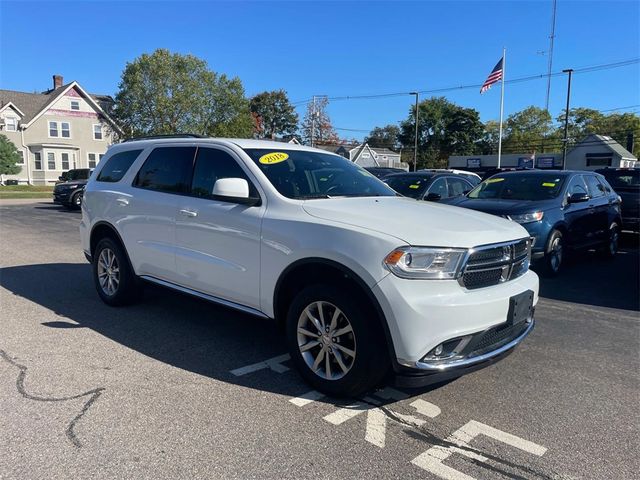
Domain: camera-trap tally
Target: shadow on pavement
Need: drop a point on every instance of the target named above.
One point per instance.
(589, 279)
(173, 328)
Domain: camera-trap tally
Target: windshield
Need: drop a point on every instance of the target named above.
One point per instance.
(521, 186)
(303, 175)
(408, 185)
(623, 178)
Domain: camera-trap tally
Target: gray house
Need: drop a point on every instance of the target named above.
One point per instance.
(56, 130)
(599, 151)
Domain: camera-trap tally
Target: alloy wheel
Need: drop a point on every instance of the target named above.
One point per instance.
(555, 255)
(326, 340)
(108, 272)
(613, 241)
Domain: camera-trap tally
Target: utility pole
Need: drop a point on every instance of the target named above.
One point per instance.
(313, 120)
(550, 64)
(415, 147)
(566, 120)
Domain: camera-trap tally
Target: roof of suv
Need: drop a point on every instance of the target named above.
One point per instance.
(240, 142)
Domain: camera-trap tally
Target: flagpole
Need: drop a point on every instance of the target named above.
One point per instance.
(504, 61)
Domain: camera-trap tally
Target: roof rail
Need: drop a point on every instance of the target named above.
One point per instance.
(156, 137)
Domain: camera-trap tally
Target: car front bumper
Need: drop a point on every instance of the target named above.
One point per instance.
(422, 315)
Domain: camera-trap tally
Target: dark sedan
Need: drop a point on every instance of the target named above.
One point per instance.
(429, 186)
(560, 210)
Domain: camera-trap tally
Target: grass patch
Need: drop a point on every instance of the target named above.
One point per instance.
(4, 194)
(26, 188)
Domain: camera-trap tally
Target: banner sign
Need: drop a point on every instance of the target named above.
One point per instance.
(473, 163)
(545, 162)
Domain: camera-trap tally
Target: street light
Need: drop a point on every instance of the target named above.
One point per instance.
(415, 149)
(566, 120)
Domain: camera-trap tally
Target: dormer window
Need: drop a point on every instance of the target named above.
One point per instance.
(11, 124)
(75, 105)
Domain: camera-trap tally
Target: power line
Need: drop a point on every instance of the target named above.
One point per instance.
(586, 69)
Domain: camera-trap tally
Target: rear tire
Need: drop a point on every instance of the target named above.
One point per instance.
(335, 343)
(112, 274)
(554, 254)
(610, 248)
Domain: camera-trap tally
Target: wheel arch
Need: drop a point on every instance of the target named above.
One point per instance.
(316, 269)
(104, 229)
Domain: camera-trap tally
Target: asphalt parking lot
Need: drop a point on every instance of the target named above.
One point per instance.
(174, 387)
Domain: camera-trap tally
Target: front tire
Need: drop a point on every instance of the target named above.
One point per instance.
(554, 254)
(112, 274)
(335, 343)
(76, 200)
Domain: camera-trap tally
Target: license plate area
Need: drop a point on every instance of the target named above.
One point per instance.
(520, 308)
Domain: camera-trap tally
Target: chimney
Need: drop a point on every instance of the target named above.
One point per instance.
(57, 81)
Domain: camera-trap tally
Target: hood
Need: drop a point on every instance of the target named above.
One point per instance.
(417, 222)
(73, 182)
(503, 207)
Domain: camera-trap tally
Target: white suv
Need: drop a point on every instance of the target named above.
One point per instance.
(366, 282)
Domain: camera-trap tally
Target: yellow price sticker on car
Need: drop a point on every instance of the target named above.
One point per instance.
(548, 184)
(273, 157)
(414, 186)
(495, 180)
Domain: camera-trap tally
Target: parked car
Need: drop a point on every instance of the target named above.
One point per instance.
(364, 281)
(75, 174)
(560, 209)
(381, 172)
(429, 185)
(69, 194)
(626, 183)
(473, 178)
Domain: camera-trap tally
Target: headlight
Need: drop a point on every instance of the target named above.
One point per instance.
(425, 262)
(69, 187)
(527, 217)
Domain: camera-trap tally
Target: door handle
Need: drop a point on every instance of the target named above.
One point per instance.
(188, 213)
(123, 202)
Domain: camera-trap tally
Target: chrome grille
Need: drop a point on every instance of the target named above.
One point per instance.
(498, 263)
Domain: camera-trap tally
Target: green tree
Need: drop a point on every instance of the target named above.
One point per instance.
(273, 115)
(386, 137)
(529, 130)
(165, 93)
(444, 129)
(9, 157)
(323, 131)
(488, 144)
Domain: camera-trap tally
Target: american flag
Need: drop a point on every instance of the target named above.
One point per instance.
(494, 77)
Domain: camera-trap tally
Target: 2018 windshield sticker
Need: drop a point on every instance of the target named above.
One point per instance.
(273, 157)
(548, 184)
(414, 186)
(495, 180)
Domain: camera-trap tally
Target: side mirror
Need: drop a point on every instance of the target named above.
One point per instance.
(234, 190)
(578, 198)
(433, 197)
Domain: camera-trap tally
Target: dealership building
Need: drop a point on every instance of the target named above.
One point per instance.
(593, 152)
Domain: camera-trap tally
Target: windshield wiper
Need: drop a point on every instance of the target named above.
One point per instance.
(313, 196)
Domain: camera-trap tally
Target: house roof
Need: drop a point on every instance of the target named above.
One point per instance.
(610, 143)
(384, 151)
(330, 148)
(32, 104)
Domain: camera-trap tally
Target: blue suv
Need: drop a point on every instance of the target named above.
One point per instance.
(561, 210)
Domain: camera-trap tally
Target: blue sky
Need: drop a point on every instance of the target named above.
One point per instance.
(337, 49)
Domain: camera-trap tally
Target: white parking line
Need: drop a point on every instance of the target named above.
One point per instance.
(343, 414)
(274, 364)
(306, 398)
(432, 460)
(425, 408)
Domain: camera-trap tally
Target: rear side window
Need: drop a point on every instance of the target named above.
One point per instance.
(596, 189)
(212, 165)
(168, 169)
(116, 166)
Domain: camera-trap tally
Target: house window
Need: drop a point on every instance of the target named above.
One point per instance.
(66, 130)
(75, 105)
(53, 129)
(51, 161)
(21, 161)
(11, 124)
(65, 161)
(97, 132)
(92, 160)
(37, 161)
